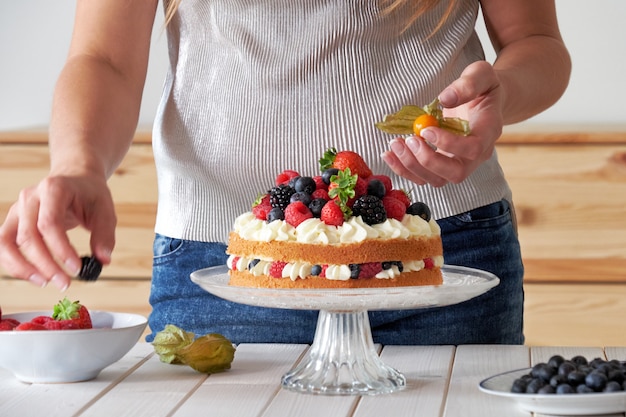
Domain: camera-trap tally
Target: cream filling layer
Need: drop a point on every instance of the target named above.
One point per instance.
(301, 270)
(315, 231)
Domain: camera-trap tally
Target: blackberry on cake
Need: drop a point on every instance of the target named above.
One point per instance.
(342, 227)
(280, 196)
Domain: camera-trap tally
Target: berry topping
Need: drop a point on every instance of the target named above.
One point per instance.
(316, 207)
(305, 184)
(320, 193)
(400, 195)
(394, 208)
(280, 196)
(331, 214)
(419, 209)
(292, 182)
(319, 183)
(370, 208)
(376, 188)
(286, 176)
(384, 179)
(262, 207)
(301, 196)
(348, 182)
(296, 213)
(345, 159)
(328, 173)
(275, 213)
(341, 189)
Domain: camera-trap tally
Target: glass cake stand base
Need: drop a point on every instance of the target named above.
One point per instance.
(342, 359)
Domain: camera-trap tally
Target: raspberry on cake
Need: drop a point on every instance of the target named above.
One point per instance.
(359, 232)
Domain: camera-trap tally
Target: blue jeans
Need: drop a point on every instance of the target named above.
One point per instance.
(484, 238)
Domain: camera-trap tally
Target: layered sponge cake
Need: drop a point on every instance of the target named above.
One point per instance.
(342, 228)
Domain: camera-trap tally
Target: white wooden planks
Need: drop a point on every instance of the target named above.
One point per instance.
(472, 364)
(62, 400)
(427, 370)
(248, 387)
(442, 381)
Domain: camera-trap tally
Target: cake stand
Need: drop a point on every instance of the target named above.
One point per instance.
(342, 359)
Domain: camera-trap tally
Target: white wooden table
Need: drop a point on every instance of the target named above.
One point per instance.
(441, 381)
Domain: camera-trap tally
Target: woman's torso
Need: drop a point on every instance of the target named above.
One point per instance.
(256, 87)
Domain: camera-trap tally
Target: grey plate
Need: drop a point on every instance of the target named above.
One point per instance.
(564, 405)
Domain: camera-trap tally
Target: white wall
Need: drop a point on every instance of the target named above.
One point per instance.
(34, 40)
(34, 37)
(596, 39)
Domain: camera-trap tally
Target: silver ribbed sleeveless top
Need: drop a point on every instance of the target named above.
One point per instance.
(255, 87)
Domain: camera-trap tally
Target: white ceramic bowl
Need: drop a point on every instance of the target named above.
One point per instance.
(57, 356)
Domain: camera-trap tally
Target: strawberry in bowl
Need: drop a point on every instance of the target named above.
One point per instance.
(68, 344)
(66, 315)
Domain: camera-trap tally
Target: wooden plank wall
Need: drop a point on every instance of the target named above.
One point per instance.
(569, 189)
(570, 195)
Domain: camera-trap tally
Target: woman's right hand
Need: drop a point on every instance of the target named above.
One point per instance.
(94, 116)
(34, 244)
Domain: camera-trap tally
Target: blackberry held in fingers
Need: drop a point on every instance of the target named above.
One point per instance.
(419, 209)
(90, 269)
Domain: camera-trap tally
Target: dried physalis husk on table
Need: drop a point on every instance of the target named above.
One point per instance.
(210, 353)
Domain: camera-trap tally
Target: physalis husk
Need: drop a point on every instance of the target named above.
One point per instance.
(401, 122)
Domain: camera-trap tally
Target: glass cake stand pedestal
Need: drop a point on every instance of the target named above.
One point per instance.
(343, 359)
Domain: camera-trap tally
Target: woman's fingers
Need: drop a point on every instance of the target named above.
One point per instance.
(410, 158)
(423, 163)
(476, 80)
(35, 238)
(11, 257)
(34, 244)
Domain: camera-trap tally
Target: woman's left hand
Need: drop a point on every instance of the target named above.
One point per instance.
(439, 156)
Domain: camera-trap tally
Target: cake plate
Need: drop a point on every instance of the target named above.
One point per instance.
(342, 359)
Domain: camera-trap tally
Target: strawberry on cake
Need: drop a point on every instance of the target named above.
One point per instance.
(343, 228)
